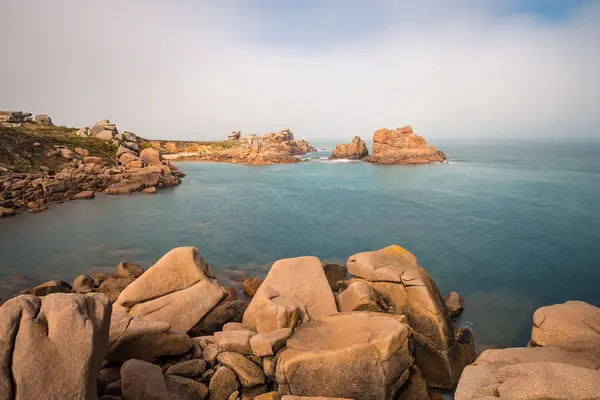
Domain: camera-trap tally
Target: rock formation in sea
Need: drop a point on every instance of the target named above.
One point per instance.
(273, 148)
(41, 164)
(354, 150)
(173, 332)
(402, 146)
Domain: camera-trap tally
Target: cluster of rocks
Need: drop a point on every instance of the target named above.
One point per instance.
(173, 332)
(399, 146)
(130, 171)
(562, 360)
(272, 148)
(18, 118)
(355, 150)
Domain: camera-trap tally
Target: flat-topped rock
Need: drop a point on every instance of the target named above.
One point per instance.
(298, 281)
(355, 355)
(388, 264)
(574, 324)
(402, 146)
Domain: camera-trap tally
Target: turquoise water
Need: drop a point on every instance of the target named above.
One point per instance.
(510, 226)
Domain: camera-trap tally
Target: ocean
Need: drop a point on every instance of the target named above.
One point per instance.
(511, 225)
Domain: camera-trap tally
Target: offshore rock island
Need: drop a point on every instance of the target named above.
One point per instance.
(399, 146)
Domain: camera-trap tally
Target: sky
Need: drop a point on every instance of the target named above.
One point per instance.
(329, 69)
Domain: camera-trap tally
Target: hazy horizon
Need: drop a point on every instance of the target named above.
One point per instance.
(329, 70)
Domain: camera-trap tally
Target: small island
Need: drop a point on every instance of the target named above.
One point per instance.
(399, 146)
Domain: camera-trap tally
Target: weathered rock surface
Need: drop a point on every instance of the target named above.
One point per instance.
(52, 345)
(334, 274)
(180, 289)
(354, 150)
(454, 303)
(564, 365)
(441, 353)
(359, 296)
(355, 355)
(143, 339)
(224, 313)
(143, 380)
(129, 270)
(293, 283)
(251, 285)
(402, 146)
(223, 383)
(248, 373)
(267, 344)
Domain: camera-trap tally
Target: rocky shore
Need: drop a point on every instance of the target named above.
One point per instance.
(309, 331)
(41, 164)
(400, 146)
(272, 148)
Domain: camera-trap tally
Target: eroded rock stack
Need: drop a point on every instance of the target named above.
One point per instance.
(402, 146)
(354, 150)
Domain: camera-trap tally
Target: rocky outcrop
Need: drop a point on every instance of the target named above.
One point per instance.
(293, 343)
(351, 355)
(235, 135)
(272, 148)
(83, 174)
(354, 150)
(441, 351)
(12, 118)
(563, 362)
(294, 286)
(180, 289)
(402, 146)
(43, 119)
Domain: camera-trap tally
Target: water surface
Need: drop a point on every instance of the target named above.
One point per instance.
(510, 226)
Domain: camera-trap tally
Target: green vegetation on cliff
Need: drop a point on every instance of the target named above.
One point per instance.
(32, 145)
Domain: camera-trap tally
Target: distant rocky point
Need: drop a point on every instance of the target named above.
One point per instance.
(402, 146)
(355, 150)
(273, 148)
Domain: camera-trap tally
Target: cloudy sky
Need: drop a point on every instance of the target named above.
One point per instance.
(327, 69)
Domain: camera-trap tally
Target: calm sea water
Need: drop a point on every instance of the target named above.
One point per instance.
(510, 226)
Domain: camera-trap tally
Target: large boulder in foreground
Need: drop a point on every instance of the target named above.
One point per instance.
(179, 289)
(406, 288)
(355, 150)
(53, 345)
(355, 355)
(292, 283)
(574, 324)
(565, 367)
(402, 146)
